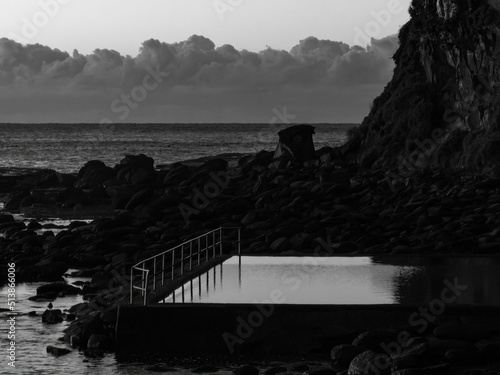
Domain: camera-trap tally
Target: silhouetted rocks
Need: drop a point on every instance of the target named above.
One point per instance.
(441, 108)
(94, 174)
(57, 351)
(52, 316)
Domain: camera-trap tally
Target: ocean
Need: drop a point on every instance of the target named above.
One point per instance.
(67, 147)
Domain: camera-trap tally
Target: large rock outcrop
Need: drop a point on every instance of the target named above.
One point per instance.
(442, 107)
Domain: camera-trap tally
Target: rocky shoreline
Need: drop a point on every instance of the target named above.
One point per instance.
(283, 207)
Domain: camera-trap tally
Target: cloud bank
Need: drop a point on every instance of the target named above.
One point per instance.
(193, 81)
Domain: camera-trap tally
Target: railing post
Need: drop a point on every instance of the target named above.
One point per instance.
(220, 243)
(173, 264)
(182, 259)
(190, 255)
(154, 273)
(146, 289)
(206, 246)
(239, 241)
(199, 252)
(132, 285)
(213, 243)
(163, 269)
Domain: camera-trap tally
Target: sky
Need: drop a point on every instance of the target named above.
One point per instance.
(195, 60)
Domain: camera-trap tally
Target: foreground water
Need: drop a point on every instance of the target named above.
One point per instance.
(33, 337)
(67, 147)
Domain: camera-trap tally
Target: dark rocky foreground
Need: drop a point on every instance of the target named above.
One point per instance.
(325, 207)
(419, 177)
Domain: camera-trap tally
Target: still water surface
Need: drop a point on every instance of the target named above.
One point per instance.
(406, 280)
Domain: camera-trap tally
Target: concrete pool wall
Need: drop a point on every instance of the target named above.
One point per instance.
(243, 329)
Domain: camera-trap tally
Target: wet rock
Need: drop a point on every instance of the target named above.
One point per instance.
(5, 218)
(205, 369)
(275, 370)
(299, 367)
(34, 225)
(140, 198)
(93, 174)
(52, 316)
(342, 355)
(246, 370)
(57, 351)
(279, 245)
(458, 331)
(99, 342)
(370, 363)
(57, 288)
(14, 203)
(372, 340)
(440, 347)
(159, 368)
(323, 371)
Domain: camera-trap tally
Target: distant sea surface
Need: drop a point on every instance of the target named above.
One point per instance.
(67, 147)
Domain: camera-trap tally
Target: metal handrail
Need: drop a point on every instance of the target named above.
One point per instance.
(149, 265)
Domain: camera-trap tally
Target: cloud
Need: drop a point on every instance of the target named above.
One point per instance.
(318, 80)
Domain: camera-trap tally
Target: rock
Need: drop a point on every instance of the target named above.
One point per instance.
(57, 351)
(431, 370)
(299, 367)
(63, 288)
(52, 316)
(34, 225)
(45, 270)
(279, 244)
(323, 371)
(140, 198)
(205, 369)
(300, 240)
(458, 331)
(246, 370)
(93, 174)
(275, 370)
(120, 195)
(342, 355)
(99, 342)
(159, 367)
(5, 218)
(372, 340)
(370, 363)
(14, 203)
(440, 347)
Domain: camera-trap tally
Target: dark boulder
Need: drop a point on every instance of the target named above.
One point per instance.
(57, 351)
(93, 174)
(52, 316)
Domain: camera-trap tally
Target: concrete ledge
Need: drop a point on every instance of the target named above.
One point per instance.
(247, 329)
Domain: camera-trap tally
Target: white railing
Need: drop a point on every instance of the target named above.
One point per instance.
(149, 273)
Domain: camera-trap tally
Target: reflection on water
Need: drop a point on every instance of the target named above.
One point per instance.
(406, 280)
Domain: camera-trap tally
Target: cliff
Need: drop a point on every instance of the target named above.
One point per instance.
(442, 107)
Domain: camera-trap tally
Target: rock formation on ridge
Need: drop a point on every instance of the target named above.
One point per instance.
(442, 107)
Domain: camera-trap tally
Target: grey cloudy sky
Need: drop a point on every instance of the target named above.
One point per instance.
(194, 60)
